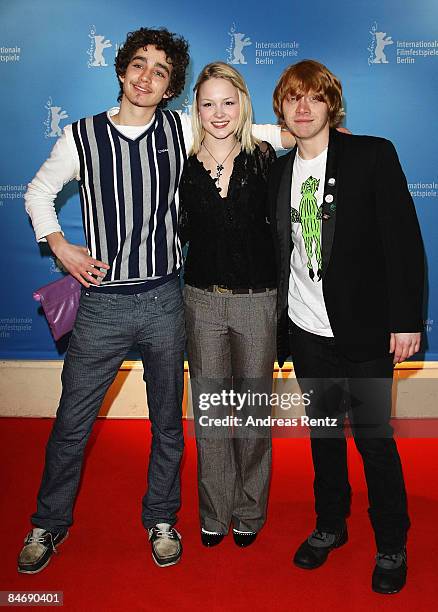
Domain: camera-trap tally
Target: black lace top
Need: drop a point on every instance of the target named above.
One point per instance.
(229, 238)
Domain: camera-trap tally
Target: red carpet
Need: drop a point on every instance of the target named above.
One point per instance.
(106, 562)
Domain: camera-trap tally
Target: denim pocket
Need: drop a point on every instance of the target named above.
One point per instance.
(169, 301)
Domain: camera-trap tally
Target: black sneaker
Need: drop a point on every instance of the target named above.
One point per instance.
(166, 545)
(39, 546)
(390, 573)
(314, 551)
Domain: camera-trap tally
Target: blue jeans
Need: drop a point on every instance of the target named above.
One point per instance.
(106, 328)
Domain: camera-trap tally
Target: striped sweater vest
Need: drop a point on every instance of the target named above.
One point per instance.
(129, 197)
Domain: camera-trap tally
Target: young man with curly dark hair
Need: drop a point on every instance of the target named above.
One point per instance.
(175, 50)
(128, 162)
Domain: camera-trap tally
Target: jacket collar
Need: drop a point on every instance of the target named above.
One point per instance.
(284, 226)
(330, 198)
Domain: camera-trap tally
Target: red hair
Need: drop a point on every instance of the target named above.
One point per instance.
(306, 76)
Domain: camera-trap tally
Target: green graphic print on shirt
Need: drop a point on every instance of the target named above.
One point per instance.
(310, 215)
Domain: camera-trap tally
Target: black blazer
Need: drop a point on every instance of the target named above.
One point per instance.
(372, 251)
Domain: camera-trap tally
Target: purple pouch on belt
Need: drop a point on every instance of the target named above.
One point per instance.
(60, 302)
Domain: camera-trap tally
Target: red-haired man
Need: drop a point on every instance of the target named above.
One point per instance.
(349, 306)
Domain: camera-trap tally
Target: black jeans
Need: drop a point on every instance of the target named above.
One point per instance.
(337, 386)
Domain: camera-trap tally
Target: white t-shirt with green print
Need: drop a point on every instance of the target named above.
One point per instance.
(306, 301)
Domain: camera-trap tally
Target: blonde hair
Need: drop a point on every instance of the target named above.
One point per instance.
(243, 132)
(306, 76)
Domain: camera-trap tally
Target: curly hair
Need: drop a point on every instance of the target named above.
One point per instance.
(175, 47)
(310, 75)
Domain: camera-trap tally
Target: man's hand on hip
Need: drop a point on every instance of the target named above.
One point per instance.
(77, 260)
(404, 345)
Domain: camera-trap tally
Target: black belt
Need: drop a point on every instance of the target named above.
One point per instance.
(236, 291)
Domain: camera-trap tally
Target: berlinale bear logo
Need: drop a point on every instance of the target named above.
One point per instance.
(54, 116)
(379, 40)
(98, 44)
(238, 42)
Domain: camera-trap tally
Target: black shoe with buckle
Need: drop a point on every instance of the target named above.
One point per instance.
(244, 538)
(390, 572)
(211, 538)
(314, 551)
(166, 544)
(38, 548)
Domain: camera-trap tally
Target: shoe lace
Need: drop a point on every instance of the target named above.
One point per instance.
(395, 558)
(170, 534)
(319, 535)
(41, 539)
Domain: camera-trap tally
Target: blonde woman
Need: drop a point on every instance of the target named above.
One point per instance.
(230, 300)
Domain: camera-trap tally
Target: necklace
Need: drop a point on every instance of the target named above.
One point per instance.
(219, 165)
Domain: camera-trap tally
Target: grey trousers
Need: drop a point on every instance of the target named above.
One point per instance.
(231, 348)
